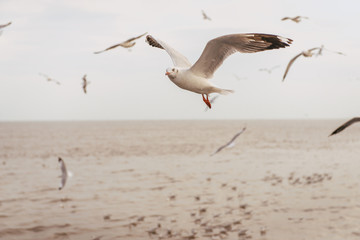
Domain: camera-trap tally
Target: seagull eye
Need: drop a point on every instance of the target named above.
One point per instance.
(173, 69)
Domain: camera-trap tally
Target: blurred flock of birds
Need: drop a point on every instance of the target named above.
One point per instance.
(196, 78)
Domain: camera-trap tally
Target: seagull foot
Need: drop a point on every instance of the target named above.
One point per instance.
(206, 100)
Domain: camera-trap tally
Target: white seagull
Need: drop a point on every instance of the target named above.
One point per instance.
(64, 173)
(230, 143)
(195, 77)
(307, 53)
(345, 125)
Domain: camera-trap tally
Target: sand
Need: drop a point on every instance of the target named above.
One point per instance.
(155, 179)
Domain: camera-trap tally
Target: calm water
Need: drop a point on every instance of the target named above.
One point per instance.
(287, 177)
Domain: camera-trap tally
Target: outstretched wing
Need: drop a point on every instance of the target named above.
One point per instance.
(218, 49)
(178, 59)
(230, 142)
(290, 63)
(5, 25)
(345, 125)
(134, 38)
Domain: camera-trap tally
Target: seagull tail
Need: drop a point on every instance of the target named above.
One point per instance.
(223, 91)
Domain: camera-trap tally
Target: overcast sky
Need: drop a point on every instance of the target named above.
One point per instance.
(58, 38)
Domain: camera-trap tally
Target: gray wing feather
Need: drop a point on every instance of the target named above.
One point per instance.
(229, 143)
(289, 65)
(218, 49)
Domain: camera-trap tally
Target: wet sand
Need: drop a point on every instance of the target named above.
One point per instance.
(155, 179)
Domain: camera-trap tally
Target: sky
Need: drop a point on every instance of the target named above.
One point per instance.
(58, 38)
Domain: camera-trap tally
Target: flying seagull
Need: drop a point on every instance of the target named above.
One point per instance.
(230, 143)
(345, 125)
(296, 19)
(85, 83)
(126, 44)
(64, 173)
(269, 71)
(307, 53)
(195, 77)
(212, 100)
(205, 17)
(49, 79)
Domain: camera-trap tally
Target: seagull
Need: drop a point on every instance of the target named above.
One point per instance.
(64, 173)
(345, 125)
(269, 71)
(239, 78)
(195, 77)
(212, 100)
(205, 17)
(85, 83)
(230, 143)
(49, 79)
(296, 19)
(3, 26)
(307, 53)
(126, 44)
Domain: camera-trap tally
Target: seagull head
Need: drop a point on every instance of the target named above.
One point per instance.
(171, 72)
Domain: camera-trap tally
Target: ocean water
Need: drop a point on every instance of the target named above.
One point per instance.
(284, 179)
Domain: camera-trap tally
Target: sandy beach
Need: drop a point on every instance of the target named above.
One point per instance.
(156, 179)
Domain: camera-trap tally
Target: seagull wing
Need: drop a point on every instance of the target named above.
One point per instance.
(290, 63)
(178, 59)
(230, 142)
(134, 38)
(218, 49)
(345, 125)
(112, 47)
(285, 18)
(5, 25)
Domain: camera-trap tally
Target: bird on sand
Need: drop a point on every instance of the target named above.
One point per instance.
(126, 44)
(49, 79)
(195, 78)
(296, 19)
(64, 173)
(205, 17)
(85, 83)
(268, 70)
(230, 143)
(307, 53)
(345, 125)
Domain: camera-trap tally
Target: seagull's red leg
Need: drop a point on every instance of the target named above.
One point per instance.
(206, 100)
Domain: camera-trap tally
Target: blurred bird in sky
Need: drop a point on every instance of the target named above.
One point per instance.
(126, 44)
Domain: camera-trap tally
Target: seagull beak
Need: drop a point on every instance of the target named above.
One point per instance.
(167, 73)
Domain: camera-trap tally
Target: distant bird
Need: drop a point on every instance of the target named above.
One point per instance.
(85, 83)
(3, 26)
(195, 78)
(49, 79)
(307, 53)
(296, 19)
(345, 125)
(239, 78)
(205, 17)
(230, 143)
(268, 70)
(126, 44)
(64, 173)
(212, 100)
